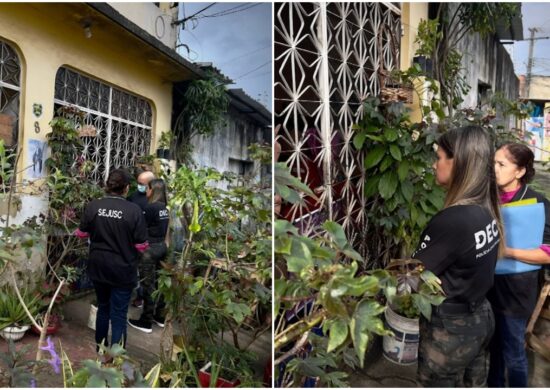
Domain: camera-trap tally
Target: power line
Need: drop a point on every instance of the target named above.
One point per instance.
(182, 21)
(253, 70)
(246, 54)
(229, 11)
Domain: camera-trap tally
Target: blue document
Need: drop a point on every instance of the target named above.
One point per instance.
(523, 228)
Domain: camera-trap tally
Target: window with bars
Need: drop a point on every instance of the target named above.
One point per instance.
(122, 120)
(10, 90)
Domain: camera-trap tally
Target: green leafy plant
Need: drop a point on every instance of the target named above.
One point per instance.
(412, 290)
(427, 37)
(206, 103)
(17, 366)
(12, 312)
(400, 184)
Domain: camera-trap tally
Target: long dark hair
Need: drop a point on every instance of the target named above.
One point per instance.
(158, 194)
(473, 178)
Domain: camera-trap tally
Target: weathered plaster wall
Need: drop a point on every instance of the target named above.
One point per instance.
(486, 60)
(157, 21)
(228, 142)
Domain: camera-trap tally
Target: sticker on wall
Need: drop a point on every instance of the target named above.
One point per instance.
(37, 110)
(535, 135)
(36, 158)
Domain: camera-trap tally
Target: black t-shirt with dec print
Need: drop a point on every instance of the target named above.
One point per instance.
(115, 225)
(157, 218)
(460, 246)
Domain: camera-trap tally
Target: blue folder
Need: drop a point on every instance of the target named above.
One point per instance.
(523, 228)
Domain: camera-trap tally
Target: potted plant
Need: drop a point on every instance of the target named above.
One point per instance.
(411, 291)
(14, 321)
(163, 149)
(426, 39)
(45, 293)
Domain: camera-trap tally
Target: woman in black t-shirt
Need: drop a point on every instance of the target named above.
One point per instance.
(157, 219)
(461, 245)
(514, 295)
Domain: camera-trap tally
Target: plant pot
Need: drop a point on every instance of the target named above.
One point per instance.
(14, 333)
(425, 63)
(205, 375)
(163, 153)
(402, 348)
(53, 326)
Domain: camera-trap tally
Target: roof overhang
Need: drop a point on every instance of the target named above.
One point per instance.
(244, 104)
(512, 29)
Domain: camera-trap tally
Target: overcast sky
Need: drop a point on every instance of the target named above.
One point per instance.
(534, 15)
(237, 43)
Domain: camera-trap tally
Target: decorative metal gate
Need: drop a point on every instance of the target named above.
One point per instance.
(122, 120)
(327, 61)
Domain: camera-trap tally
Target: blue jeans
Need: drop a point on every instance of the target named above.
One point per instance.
(508, 352)
(112, 306)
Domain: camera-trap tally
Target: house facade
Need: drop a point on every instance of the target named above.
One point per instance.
(111, 61)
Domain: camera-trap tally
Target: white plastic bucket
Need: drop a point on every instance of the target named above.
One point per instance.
(92, 316)
(402, 348)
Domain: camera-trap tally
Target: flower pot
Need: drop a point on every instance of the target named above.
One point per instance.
(425, 63)
(163, 153)
(402, 348)
(53, 326)
(205, 375)
(14, 333)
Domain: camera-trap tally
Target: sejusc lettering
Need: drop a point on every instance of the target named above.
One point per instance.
(117, 214)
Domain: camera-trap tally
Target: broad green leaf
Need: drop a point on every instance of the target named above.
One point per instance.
(359, 140)
(388, 184)
(375, 137)
(395, 152)
(337, 233)
(403, 170)
(360, 339)
(337, 335)
(407, 189)
(371, 185)
(423, 305)
(374, 156)
(386, 163)
(390, 134)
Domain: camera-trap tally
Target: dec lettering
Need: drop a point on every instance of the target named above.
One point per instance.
(117, 214)
(484, 237)
(163, 213)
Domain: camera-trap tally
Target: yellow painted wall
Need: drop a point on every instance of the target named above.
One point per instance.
(411, 14)
(46, 43)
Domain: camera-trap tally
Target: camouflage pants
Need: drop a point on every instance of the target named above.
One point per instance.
(453, 349)
(148, 265)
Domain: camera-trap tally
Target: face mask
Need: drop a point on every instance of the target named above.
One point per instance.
(141, 188)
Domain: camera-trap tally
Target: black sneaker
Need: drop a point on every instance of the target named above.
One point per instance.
(159, 321)
(144, 326)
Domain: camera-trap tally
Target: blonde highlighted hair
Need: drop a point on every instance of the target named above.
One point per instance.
(473, 179)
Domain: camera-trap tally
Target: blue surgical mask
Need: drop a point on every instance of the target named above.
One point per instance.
(141, 188)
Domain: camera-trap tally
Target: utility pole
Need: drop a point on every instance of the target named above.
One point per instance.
(530, 60)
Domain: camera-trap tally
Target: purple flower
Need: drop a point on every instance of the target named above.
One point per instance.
(55, 362)
(33, 383)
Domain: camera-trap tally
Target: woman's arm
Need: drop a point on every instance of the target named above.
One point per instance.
(530, 256)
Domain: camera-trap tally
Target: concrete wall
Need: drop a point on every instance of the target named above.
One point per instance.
(487, 61)
(539, 88)
(157, 21)
(228, 144)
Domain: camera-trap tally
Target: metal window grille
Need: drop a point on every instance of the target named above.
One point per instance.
(122, 120)
(327, 61)
(10, 90)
